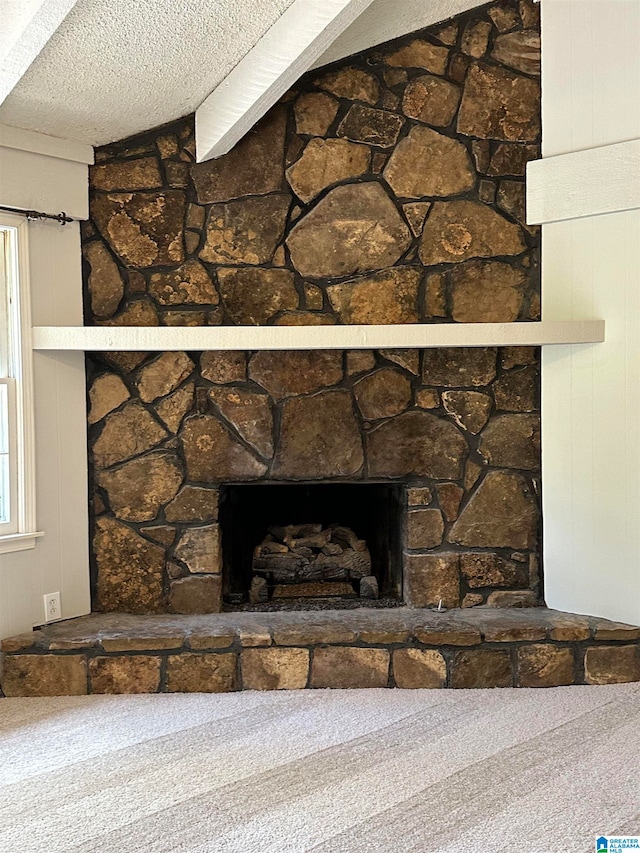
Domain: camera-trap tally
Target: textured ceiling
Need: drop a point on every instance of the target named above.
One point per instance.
(117, 68)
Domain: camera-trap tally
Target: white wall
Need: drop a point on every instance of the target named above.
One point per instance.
(591, 268)
(59, 562)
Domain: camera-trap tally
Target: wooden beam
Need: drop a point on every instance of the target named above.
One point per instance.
(29, 26)
(288, 49)
(166, 338)
(584, 183)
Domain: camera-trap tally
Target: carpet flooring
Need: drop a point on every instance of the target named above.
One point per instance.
(363, 771)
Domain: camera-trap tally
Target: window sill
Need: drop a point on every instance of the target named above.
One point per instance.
(18, 542)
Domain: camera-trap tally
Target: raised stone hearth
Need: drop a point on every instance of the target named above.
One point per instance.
(409, 648)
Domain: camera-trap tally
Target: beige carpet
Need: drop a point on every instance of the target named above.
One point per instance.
(371, 771)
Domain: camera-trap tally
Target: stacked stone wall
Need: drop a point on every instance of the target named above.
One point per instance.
(386, 189)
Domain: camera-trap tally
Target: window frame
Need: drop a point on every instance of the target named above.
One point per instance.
(20, 532)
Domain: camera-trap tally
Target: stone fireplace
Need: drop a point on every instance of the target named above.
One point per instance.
(388, 188)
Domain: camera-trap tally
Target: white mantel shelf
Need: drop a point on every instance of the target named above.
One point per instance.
(409, 336)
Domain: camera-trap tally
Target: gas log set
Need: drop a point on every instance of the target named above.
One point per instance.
(301, 560)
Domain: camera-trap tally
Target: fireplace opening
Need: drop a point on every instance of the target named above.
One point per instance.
(311, 546)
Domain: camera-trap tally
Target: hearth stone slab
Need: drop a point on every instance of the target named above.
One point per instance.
(403, 647)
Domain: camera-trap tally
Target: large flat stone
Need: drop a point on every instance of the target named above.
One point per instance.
(458, 230)
(389, 296)
(129, 569)
(251, 297)
(306, 630)
(416, 443)
(349, 667)
(130, 674)
(419, 54)
(458, 367)
(519, 50)
(201, 673)
(223, 366)
(275, 668)
(143, 229)
(107, 392)
(424, 528)
(193, 503)
(427, 163)
(612, 664)
(253, 167)
(431, 100)
(172, 409)
(137, 489)
(249, 413)
(246, 231)
(370, 126)
(511, 599)
(213, 455)
(501, 514)
(105, 283)
(481, 668)
(319, 437)
(512, 441)
(199, 549)
(409, 359)
(419, 668)
(498, 104)
(511, 159)
(126, 433)
(490, 570)
(314, 113)
(351, 83)
(163, 375)
(129, 175)
(44, 675)
(325, 162)
(545, 665)
(189, 284)
(469, 409)
(354, 228)
(137, 312)
(382, 394)
(487, 292)
(430, 579)
(289, 373)
(197, 594)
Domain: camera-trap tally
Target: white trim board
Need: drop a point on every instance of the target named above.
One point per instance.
(584, 183)
(167, 338)
(289, 48)
(49, 146)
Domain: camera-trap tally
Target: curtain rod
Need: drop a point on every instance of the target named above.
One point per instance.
(33, 215)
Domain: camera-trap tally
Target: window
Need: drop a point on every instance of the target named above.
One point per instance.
(17, 497)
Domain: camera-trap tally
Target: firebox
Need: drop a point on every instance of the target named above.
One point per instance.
(284, 544)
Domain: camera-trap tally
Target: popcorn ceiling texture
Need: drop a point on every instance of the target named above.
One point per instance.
(388, 189)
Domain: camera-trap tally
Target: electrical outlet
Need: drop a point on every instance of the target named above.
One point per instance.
(52, 608)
